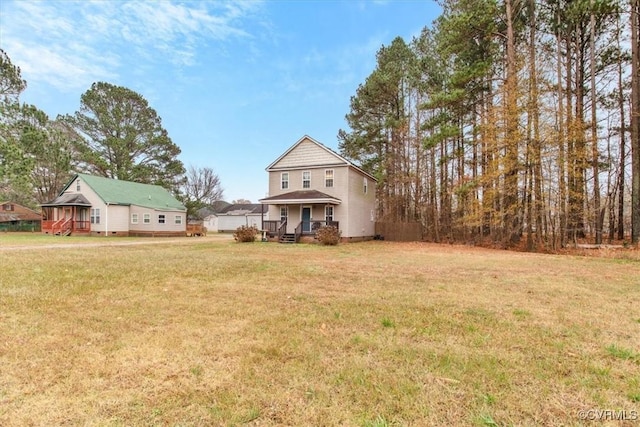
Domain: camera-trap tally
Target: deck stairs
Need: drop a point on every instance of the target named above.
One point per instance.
(287, 238)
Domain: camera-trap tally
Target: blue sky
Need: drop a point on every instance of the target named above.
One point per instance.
(235, 83)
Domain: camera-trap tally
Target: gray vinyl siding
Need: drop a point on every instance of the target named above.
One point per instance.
(306, 154)
(361, 206)
(354, 211)
(355, 208)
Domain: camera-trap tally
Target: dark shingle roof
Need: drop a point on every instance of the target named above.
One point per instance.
(301, 196)
(69, 200)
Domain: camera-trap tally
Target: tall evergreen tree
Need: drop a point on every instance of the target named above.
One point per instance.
(635, 120)
(123, 138)
(378, 122)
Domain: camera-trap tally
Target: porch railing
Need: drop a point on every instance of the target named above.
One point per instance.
(63, 225)
(282, 229)
(298, 231)
(277, 228)
(271, 227)
(313, 225)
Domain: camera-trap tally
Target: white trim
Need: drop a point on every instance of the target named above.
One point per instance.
(303, 180)
(300, 201)
(333, 178)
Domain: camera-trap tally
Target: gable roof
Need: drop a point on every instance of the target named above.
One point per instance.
(212, 209)
(234, 210)
(69, 200)
(118, 192)
(243, 209)
(10, 212)
(327, 157)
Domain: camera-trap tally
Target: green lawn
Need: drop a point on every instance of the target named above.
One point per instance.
(206, 331)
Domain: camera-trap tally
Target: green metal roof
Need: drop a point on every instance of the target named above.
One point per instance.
(116, 192)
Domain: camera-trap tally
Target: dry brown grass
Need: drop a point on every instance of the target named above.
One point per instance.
(211, 332)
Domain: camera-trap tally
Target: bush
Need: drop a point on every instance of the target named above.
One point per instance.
(328, 235)
(245, 234)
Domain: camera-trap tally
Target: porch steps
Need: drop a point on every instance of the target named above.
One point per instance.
(288, 238)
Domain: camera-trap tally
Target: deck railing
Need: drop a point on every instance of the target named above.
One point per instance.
(65, 224)
(304, 228)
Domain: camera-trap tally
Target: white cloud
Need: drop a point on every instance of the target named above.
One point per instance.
(70, 44)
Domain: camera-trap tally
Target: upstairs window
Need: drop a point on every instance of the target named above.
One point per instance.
(78, 185)
(284, 180)
(365, 186)
(7, 207)
(328, 178)
(306, 179)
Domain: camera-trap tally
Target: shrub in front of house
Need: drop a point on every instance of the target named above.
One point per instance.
(328, 235)
(245, 233)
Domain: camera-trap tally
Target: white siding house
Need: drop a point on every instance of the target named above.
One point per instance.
(101, 206)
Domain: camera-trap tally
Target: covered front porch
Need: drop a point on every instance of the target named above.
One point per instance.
(300, 213)
(68, 214)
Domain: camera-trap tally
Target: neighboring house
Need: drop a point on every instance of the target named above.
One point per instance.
(229, 218)
(15, 217)
(207, 215)
(310, 186)
(94, 205)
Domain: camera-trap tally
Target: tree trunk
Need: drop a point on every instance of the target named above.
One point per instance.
(511, 217)
(595, 154)
(623, 135)
(635, 121)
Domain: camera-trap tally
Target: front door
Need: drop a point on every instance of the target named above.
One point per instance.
(306, 219)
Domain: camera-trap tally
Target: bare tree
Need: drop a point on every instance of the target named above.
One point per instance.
(202, 187)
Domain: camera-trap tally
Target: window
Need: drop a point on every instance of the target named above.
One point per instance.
(161, 219)
(284, 213)
(7, 207)
(365, 186)
(328, 214)
(95, 216)
(178, 219)
(306, 179)
(284, 180)
(78, 185)
(146, 218)
(328, 178)
(134, 218)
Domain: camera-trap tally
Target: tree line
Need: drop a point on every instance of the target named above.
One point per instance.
(512, 122)
(115, 134)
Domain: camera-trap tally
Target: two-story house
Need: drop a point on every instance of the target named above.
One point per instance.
(310, 186)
